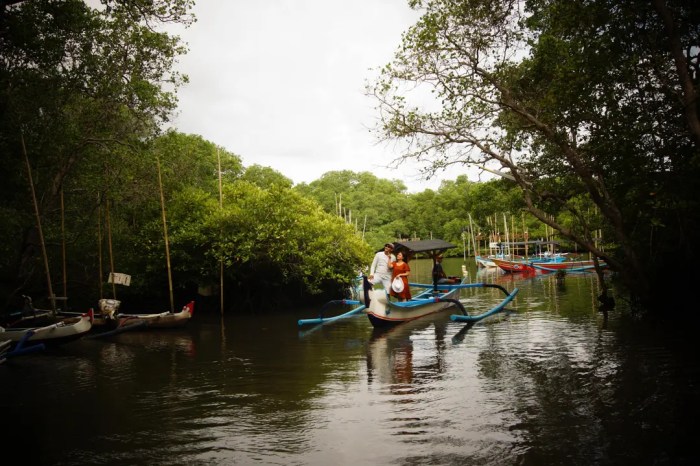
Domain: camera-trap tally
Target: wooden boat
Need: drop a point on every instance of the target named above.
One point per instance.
(551, 264)
(569, 266)
(112, 318)
(382, 312)
(29, 316)
(63, 331)
(163, 320)
(432, 297)
(513, 266)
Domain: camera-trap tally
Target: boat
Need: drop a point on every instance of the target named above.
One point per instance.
(431, 298)
(545, 264)
(513, 266)
(29, 316)
(569, 266)
(382, 312)
(63, 331)
(111, 317)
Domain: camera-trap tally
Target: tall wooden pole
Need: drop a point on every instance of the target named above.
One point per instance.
(165, 236)
(38, 226)
(99, 243)
(221, 260)
(111, 255)
(63, 246)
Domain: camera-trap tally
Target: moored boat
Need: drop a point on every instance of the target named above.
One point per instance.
(545, 265)
(159, 321)
(63, 331)
(570, 266)
(513, 266)
(111, 317)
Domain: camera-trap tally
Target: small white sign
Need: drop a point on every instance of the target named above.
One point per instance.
(119, 279)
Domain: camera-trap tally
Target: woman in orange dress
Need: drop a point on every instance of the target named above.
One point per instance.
(401, 269)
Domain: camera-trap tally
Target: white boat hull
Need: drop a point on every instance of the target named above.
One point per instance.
(384, 313)
(61, 332)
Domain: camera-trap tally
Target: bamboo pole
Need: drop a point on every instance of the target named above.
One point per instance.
(525, 235)
(471, 227)
(165, 236)
(63, 246)
(38, 226)
(221, 260)
(111, 253)
(99, 243)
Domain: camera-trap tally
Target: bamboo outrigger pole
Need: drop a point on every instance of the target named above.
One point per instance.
(165, 236)
(38, 226)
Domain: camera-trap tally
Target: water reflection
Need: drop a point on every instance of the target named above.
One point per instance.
(410, 353)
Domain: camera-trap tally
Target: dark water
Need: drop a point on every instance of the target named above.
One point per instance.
(551, 383)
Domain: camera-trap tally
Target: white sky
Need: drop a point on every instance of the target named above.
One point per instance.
(281, 83)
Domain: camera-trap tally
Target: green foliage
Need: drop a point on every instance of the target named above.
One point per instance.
(590, 105)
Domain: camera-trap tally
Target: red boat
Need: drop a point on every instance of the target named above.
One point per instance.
(513, 266)
(547, 266)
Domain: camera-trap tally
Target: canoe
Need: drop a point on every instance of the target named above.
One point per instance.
(66, 330)
(570, 266)
(157, 321)
(551, 265)
(383, 312)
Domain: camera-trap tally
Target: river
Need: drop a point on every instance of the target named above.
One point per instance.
(553, 381)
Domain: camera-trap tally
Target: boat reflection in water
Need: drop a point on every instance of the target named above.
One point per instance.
(409, 353)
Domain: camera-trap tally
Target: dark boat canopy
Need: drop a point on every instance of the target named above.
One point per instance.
(431, 246)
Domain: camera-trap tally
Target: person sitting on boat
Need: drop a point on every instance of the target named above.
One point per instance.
(402, 270)
(380, 270)
(439, 275)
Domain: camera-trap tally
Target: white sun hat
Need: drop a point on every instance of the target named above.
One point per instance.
(397, 285)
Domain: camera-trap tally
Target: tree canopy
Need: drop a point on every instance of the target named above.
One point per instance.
(589, 106)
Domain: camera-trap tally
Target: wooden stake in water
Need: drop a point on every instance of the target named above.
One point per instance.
(165, 236)
(38, 226)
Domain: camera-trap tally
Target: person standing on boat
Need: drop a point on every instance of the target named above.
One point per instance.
(380, 270)
(400, 268)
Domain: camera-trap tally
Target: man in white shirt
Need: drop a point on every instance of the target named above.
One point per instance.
(380, 270)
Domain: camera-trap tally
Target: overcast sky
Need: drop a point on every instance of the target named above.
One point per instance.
(281, 83)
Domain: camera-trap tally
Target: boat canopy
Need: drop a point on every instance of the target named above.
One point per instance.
(430, 246)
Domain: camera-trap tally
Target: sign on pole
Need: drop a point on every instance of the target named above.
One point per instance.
(119, 279)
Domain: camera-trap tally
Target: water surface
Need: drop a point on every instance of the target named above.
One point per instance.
(551, 382)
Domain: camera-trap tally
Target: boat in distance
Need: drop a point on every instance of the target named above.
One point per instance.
(547, 266)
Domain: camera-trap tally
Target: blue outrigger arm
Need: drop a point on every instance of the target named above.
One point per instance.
(322, 320)
(490, 312)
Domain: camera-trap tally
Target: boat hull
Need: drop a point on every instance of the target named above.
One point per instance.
(545, 266)
(158, 321)
(384, 313)
(61, 332)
